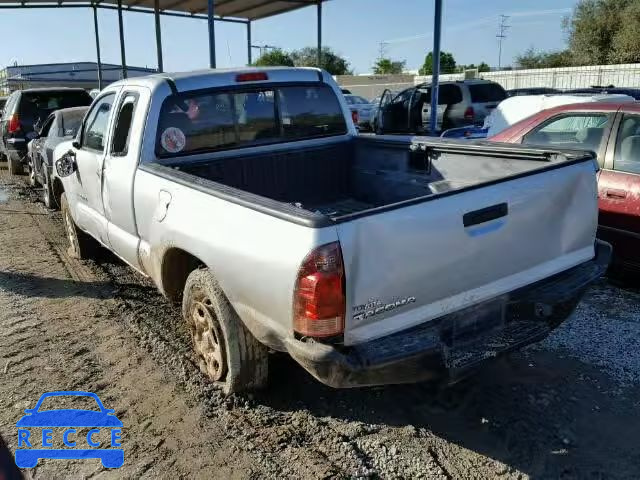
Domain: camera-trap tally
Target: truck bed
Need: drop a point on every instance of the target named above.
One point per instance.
(347, 178)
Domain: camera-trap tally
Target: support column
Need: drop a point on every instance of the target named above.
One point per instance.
(435, 78)
(123, 55)
(249, 42)
(156, 12)
(98, 57)
(319, 33)
(212, 33)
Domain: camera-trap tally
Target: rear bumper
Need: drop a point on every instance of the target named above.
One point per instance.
(452, 346)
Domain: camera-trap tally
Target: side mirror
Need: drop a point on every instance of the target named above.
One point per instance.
(76, 144)
(66, 165)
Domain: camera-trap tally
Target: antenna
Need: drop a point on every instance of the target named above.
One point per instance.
(502, 34)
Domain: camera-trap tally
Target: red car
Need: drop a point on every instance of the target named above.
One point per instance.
(612, 131)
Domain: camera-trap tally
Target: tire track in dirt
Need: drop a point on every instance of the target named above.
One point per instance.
(76, 350)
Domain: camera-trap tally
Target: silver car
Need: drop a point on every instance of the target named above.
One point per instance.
(364, 109)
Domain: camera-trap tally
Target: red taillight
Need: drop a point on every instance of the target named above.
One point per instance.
(469, 114)
(14, 123)
(251, 77)
(354, 116)
(318, 298)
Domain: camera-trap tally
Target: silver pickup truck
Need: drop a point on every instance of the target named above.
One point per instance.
(248, 196)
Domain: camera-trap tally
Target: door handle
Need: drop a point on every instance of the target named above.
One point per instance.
(485, 215)
(615, 193)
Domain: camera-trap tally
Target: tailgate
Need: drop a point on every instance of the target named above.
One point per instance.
(409, 265)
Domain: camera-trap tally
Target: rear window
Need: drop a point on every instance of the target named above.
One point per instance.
(208, 121)
(71, 122)
(449, 94)
(38, 105)
(487, 92)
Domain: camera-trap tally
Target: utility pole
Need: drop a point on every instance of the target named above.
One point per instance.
(382, 50)
(502, 34)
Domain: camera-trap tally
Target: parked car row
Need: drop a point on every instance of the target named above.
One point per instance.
(462, 104)
(23, 115)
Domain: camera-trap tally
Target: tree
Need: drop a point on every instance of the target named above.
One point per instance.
(447, 64)
(331, 62)
(484, 67)
(591, 28)
(532, 58)
(274, 58)
(626, 41)
(599, 32)
(386, 66)
(604, 32)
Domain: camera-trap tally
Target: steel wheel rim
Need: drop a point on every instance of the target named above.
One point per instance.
(208, 341)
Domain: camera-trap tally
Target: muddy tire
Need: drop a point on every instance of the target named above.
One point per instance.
(81, 245)
(48, 197)
(33, 181)
(227, 353)
(14, 164)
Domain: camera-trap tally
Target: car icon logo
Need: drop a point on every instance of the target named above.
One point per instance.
(67, 422)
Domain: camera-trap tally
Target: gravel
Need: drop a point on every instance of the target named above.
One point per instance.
(604, 331)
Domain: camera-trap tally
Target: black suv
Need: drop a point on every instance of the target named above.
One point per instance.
(25, 111)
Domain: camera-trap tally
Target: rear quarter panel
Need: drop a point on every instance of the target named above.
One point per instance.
(254, 256)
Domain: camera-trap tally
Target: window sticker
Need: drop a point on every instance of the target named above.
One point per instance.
(173, 140)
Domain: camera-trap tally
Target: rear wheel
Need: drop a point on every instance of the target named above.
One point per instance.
(227, 352)
(33, 181)
(81, 244)
(14, 163)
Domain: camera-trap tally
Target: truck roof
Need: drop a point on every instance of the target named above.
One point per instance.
(195, 80)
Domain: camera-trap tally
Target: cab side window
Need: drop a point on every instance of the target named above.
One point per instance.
(577, 130)
(95, 129)
(627, 152)
(122, 130)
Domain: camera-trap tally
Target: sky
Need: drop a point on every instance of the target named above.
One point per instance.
(353, 28)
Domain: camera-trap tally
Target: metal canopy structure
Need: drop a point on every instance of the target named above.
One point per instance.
(233, 11)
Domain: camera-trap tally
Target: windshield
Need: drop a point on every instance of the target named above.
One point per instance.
(208, 121)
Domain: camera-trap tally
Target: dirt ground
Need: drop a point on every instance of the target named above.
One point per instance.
(554, 411)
